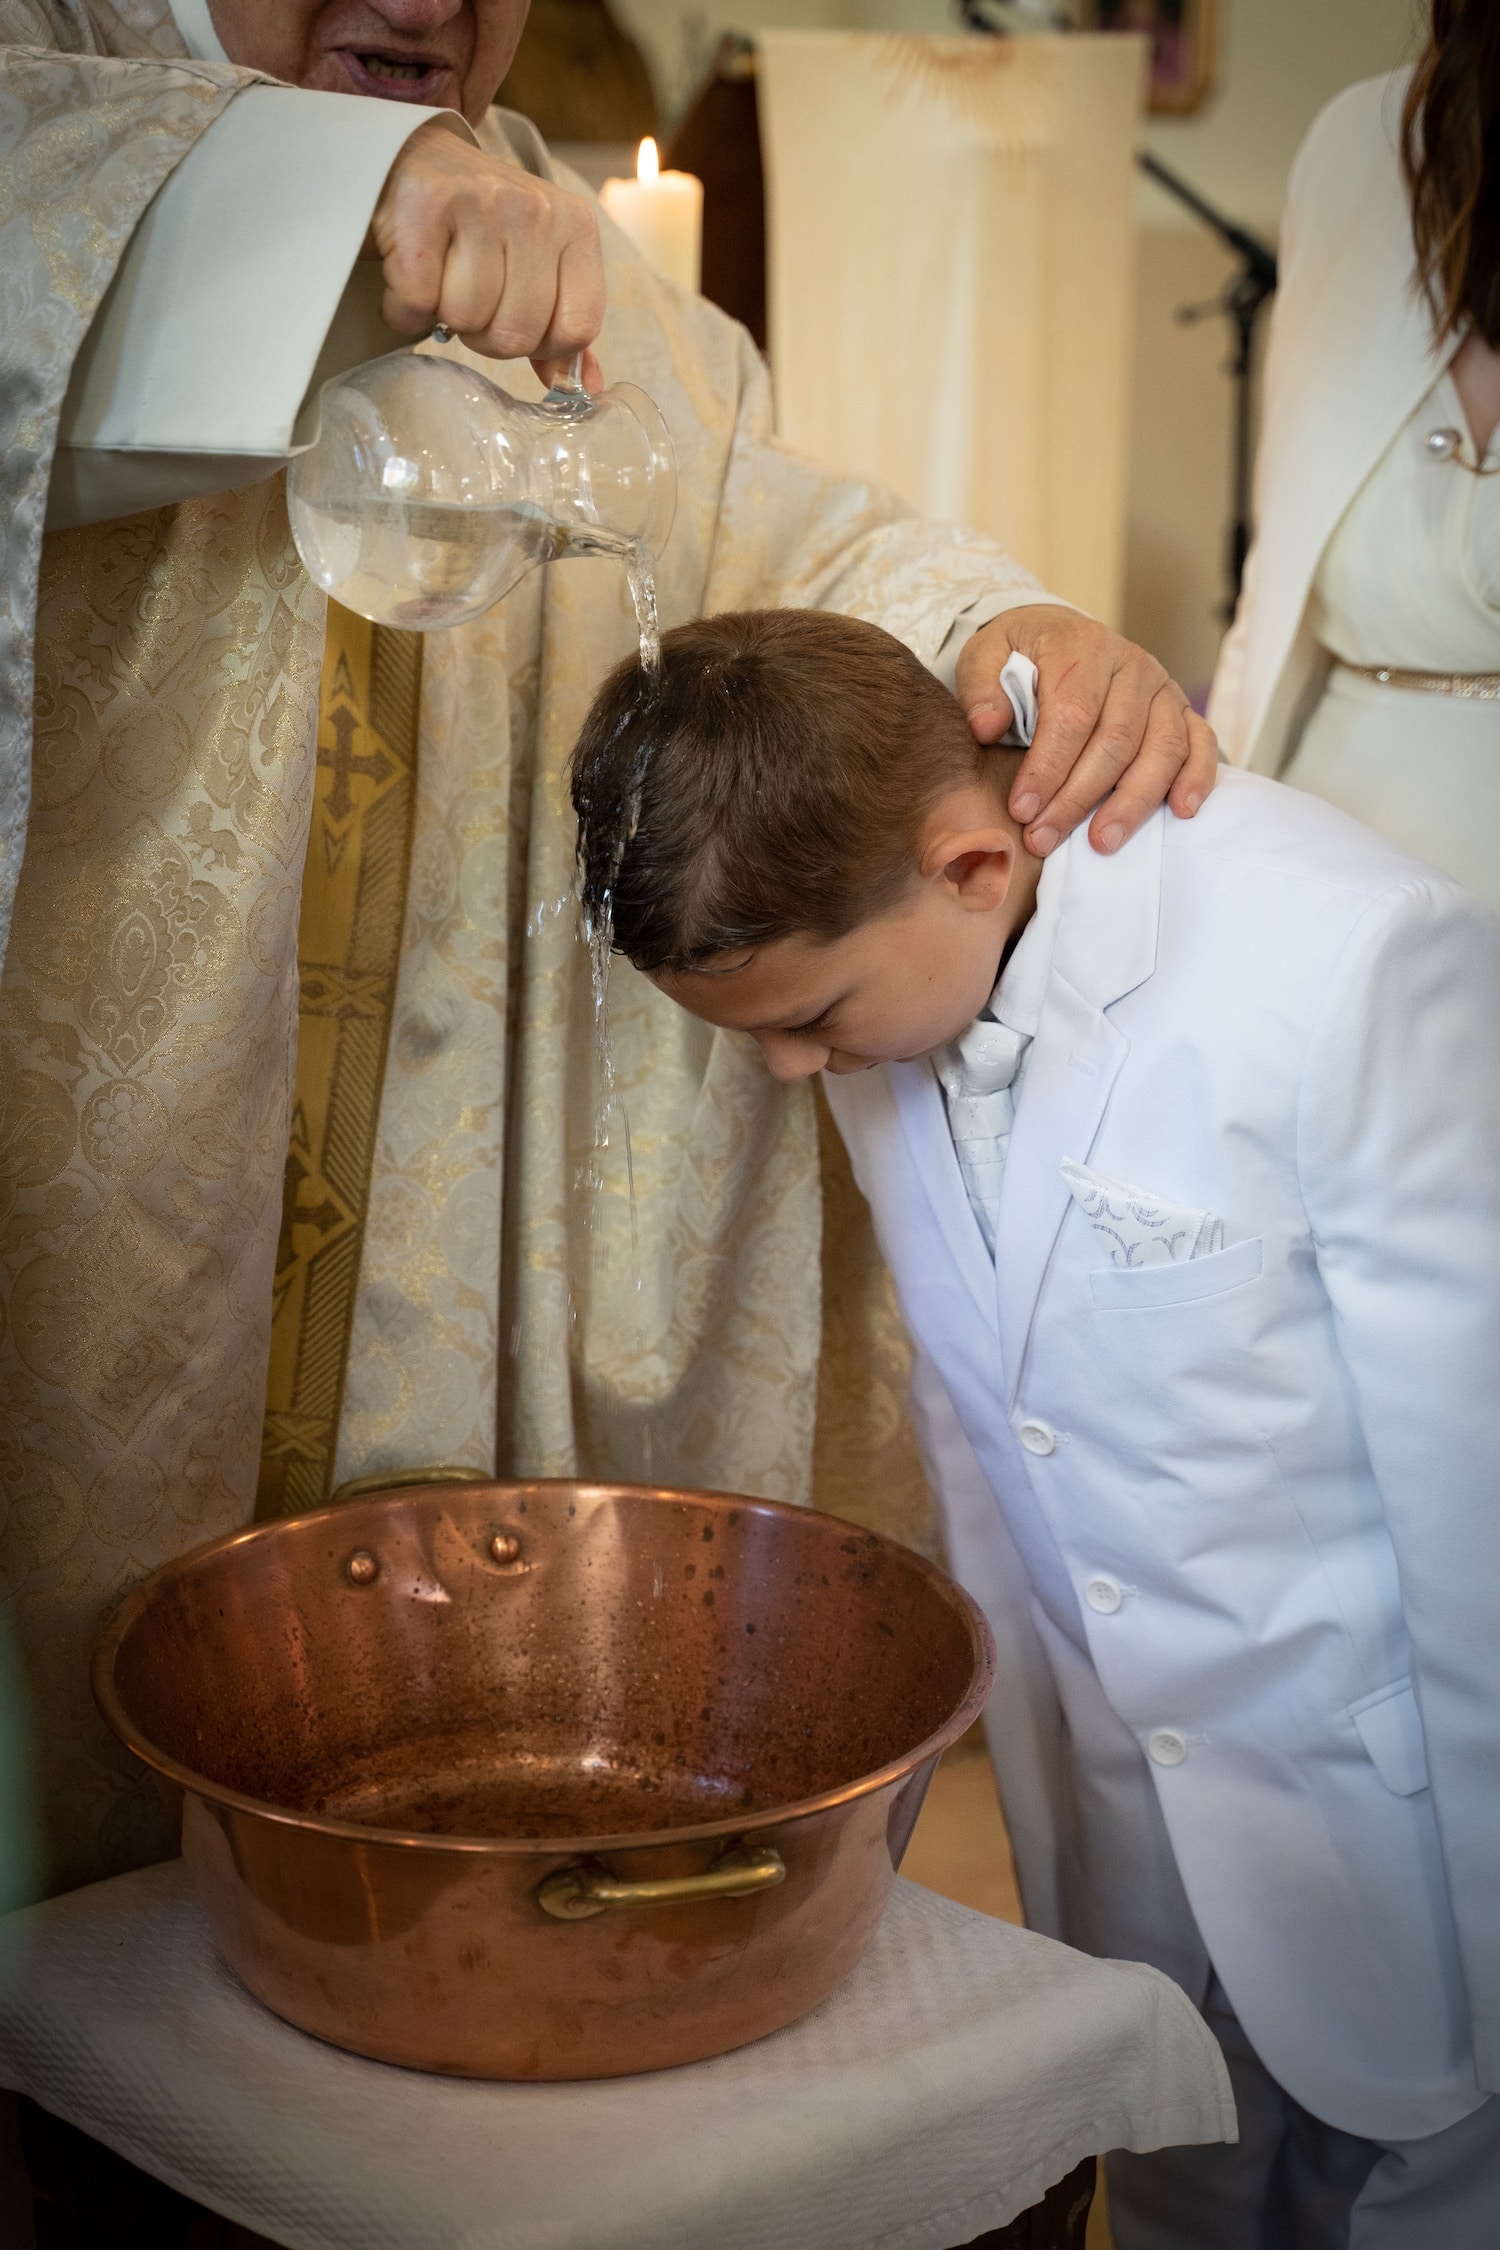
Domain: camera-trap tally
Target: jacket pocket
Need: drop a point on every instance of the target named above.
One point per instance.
(1390, 1727)
(1135, 1288)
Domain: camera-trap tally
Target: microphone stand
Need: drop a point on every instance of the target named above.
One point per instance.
(1242, 299)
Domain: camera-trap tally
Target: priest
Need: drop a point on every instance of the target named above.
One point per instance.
(299, 1065)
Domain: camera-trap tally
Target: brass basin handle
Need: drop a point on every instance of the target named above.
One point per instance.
(574, 1894)
(399, 1480)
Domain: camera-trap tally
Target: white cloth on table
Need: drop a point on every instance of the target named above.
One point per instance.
(963, 2068)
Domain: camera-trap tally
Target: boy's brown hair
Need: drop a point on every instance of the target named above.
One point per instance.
(771, 782)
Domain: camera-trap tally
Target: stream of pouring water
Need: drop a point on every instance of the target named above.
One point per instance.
(599, 929)
(598, 932)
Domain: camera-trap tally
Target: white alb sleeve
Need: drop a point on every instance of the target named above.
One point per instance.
(241, 291)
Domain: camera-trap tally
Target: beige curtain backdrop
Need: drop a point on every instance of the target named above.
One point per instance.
(512, 1309)
(951, 265)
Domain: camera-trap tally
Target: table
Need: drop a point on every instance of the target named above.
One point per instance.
(963, 2069)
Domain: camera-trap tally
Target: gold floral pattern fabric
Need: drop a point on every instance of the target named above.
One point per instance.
(147, 1017)
(169, 665)
(865, 1460)
(86, 139)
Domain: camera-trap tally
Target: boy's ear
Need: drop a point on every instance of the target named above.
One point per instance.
(976, 866)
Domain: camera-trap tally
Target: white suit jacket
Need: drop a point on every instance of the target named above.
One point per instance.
(1350, 357)
(1284, 1456)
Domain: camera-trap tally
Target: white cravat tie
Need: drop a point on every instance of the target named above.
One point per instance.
(980, 1074)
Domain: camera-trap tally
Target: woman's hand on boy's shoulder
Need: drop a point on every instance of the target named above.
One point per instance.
(1114, 730)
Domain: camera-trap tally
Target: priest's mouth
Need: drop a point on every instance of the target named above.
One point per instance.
(394, 77)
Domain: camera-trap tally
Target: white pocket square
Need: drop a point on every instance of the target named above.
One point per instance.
(1139, 1228)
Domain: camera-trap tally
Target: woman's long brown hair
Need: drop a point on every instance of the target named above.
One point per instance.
(1450, 152)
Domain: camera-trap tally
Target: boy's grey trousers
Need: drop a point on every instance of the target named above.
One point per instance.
(1293, 2183)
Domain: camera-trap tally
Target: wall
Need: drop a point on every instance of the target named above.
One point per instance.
(1282, 60)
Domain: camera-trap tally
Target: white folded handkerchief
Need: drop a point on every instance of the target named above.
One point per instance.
(1140, 1229)
(1018, 679)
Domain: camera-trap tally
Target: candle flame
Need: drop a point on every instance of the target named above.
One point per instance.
(647, 163)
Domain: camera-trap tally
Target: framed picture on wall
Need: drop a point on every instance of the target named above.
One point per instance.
(1184, 46)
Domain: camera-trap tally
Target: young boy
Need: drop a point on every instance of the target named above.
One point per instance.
(1187, 1166)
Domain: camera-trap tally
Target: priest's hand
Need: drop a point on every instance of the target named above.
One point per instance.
(507, 261)
(1111, 726)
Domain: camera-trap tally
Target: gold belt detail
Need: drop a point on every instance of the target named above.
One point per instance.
(1477, 687)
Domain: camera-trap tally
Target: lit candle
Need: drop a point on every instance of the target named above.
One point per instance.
(662, 212)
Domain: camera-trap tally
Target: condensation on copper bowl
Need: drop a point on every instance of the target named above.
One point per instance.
(546, 1780)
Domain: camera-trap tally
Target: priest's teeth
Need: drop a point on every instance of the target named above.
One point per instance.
(380, 67)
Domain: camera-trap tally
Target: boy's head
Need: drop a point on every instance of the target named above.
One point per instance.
(796, 835)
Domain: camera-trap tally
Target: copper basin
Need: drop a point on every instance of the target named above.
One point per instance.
(545, 1780)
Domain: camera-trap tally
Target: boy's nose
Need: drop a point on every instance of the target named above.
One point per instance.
(790, 1060)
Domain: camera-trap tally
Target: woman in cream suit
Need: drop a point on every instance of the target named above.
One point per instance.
(1364, 663)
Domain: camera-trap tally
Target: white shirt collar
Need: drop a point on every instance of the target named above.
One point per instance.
(196, 25)
(1017, 998)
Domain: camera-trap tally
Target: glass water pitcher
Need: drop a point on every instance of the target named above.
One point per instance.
(430, 491)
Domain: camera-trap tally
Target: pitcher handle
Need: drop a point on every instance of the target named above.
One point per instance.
(570, 385)
(566, 386)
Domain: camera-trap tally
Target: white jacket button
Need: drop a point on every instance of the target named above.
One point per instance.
(1167, 1746)
(1037, 1437)
(1104, 1595)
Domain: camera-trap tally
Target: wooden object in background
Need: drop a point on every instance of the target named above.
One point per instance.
(1059, 2222)
(579, 77)
(719, 140)
(1184, 37)
(959, 1847)
(87, 2198)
